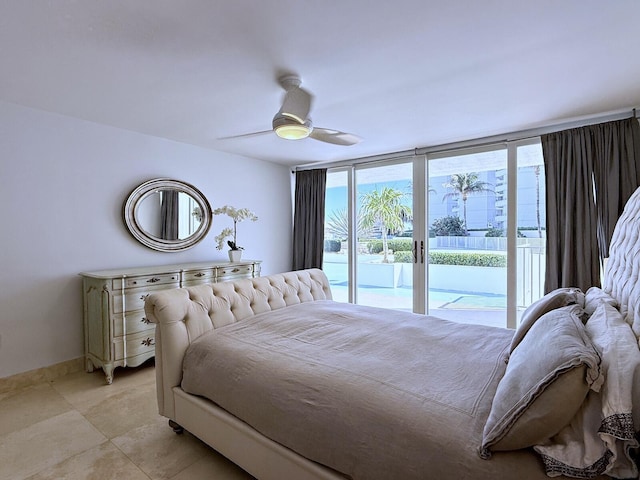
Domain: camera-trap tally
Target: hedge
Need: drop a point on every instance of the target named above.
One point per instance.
(469, 259)
(451, 258)
(403, 257)
(394, 244)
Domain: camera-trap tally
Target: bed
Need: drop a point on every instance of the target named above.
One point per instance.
(288, 384)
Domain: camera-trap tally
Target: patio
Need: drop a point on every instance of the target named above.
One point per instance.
(463, 307)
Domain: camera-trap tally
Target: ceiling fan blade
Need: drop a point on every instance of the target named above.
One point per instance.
(296, 104)
(246, 135)
(334, 136)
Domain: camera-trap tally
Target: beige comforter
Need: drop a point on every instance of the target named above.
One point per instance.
(371, 393)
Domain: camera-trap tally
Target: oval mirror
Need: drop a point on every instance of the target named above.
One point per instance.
(167, 215)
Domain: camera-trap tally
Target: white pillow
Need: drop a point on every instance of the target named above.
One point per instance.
(594, 297)
(598, 439)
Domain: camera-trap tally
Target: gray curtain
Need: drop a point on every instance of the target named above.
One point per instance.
(169, 215)
(572, 244)
(616, 173)
(308, 219)
(585, 168)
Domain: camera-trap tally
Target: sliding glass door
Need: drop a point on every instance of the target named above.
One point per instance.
(384, 218)
(337, 234)
(467, 246)
(531, 218)
(459, 235)
(368, 235)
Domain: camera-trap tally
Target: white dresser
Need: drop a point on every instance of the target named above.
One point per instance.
(116, 332)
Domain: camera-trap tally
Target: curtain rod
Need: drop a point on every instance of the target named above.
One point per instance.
(483, 141)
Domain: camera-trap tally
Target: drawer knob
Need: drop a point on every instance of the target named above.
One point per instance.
(153, 280)
(147, 342)
(235, 270)
(145, 320)
(200, 274)
(144, 297)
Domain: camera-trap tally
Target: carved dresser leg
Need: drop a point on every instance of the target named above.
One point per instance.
(108, 372)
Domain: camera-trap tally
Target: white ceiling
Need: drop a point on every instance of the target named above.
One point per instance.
(402, 74)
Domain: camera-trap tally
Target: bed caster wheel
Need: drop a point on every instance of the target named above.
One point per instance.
(177, 429)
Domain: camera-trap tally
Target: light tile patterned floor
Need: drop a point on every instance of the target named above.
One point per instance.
(77, 427)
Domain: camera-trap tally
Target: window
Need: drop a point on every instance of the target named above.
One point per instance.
(467, 259)
(468, 243)
(336, 234)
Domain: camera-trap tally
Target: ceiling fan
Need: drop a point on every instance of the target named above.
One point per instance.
(292, 122)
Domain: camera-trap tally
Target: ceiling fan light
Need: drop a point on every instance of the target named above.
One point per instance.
(292, 131)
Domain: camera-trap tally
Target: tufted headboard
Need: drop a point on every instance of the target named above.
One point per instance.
(623, 267)
(182, 315)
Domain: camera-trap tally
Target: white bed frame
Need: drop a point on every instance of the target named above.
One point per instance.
(182, 315)
(255, 453)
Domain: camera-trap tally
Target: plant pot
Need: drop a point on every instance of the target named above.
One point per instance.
(235, 255)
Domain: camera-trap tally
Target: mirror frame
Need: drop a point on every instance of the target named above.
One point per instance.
(146, 189)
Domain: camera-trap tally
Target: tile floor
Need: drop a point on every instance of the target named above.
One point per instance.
(78, 427)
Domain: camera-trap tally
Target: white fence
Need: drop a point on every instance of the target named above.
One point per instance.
(530, 257)
(483, 243)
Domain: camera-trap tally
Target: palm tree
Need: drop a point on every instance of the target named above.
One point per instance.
(337, 224)
(384, 208)
(463, 185)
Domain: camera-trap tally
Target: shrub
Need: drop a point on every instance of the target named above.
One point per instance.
(401, 244)
(395, 244)
(494, 232)
(374, 246)
(450, 226)
(499, 232)
(403, 257)
(332, 245)
(468, 259)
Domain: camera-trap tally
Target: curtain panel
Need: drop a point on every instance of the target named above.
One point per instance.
(616, 173)
(308, 219)
(590, 174)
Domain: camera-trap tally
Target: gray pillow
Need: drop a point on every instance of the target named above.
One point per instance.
(546, 380)
(560, 297)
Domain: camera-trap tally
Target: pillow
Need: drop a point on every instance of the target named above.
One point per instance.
(601, 436)
(557, 298)
(546, 380)
(594, 297)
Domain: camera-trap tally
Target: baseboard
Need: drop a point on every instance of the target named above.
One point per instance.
(40, 375)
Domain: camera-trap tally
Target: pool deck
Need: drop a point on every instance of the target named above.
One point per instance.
(464, 307)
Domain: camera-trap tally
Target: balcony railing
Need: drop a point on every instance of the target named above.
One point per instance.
(530, 258)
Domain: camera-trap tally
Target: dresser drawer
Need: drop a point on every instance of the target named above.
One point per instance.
(134, 322)
(137, 344)
(145, 281)
(232, 271)
(195, 277)
(134, 298)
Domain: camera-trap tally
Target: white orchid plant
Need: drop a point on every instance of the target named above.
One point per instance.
(237, 215)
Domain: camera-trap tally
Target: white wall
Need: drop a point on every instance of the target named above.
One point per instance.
(63, 182)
